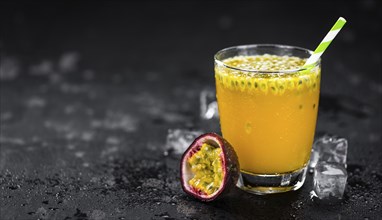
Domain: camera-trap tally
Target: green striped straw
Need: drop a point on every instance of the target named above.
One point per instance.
(325, 42)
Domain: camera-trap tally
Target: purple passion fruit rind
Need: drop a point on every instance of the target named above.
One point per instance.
(229, 165)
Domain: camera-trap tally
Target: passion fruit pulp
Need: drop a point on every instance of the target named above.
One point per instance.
(209, 167)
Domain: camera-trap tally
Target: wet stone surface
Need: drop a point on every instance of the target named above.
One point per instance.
(83, 133)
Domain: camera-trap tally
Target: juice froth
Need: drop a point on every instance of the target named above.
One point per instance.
(268, 117)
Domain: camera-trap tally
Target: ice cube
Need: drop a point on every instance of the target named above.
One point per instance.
(178, 140)
(329, 179)
(208, 104)
(329, 148)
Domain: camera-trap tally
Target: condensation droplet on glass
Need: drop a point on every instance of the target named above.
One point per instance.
(248, 127)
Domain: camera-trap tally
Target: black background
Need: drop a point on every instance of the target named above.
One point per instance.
(87, 142)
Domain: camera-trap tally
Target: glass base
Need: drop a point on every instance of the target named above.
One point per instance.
(262, 184)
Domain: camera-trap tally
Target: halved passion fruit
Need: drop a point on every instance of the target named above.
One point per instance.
(209, 167)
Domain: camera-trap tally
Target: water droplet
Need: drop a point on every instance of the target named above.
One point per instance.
(248, 127)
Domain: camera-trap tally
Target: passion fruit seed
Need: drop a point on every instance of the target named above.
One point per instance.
(206, 166)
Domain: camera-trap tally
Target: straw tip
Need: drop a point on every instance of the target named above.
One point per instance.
(342, 19)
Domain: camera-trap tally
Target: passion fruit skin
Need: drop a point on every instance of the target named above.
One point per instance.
(230, 166)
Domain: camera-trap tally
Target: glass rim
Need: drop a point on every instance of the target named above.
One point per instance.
(246, 46)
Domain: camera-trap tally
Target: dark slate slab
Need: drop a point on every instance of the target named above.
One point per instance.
(88, 91)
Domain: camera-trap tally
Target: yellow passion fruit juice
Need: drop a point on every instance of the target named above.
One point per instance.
(269, 118)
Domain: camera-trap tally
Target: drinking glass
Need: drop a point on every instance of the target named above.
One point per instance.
(269, 116)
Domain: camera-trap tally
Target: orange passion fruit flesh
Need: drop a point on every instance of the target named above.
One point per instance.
(206, 166)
